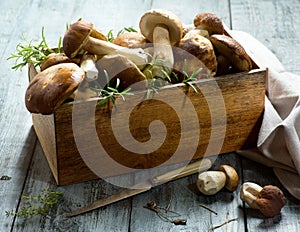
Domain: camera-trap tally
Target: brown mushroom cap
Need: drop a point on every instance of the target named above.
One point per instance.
(232, 178)
(233, 51)
(201, 48)
(270, 200)
(155, 17)
(130, 40)
(53, 59)
(210, 22)
(77, 34)
(49, 88)
(120, 67)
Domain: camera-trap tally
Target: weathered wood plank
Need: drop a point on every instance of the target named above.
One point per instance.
(17, 138)
(275, 23)
(186, 200)
(110, 218)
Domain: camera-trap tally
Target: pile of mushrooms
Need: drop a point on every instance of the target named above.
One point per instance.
(88, 56)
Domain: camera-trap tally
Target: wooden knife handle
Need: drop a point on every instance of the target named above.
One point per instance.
(192, 168)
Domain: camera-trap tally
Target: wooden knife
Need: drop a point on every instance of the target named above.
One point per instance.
(192, 168)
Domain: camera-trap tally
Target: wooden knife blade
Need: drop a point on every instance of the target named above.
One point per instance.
(192, 168)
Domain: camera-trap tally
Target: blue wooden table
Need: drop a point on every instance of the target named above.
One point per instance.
(275, 23)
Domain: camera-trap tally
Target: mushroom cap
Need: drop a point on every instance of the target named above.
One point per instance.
(130, 40)
(49, 88)
(77, 34)
(201, 48)
(210, 22)
(201, 32)
(270, 200)
(233, 51)
(211, 182)
(155, 17)
(53, 59)
(232, 178)
(120, 67)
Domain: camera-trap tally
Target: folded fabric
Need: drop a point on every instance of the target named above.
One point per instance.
(278, 144)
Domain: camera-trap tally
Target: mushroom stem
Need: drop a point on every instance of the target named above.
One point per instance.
(101, 47)
(163, 54)
(89, 67)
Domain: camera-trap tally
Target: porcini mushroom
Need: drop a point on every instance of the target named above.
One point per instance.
(49, 88)
(211, 182)
(269, 199)
(122, 68)
(210, 22)
(232, 178)
(201, 48)
(130, 39)
(163, 29)
(233, 51)
(55, 58)
(79, 36)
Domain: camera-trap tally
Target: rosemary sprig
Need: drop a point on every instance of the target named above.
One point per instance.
(111, 92)
(32, 53)
(46, 201)
(156, 64)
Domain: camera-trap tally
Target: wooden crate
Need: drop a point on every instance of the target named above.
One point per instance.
(220, 128)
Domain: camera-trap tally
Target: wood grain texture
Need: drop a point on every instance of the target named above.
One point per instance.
(275, 23)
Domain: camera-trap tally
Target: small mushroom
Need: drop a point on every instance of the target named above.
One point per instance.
(233, 51)
(163, 29)
(210, 22)
(201, 48)
(269, 199)
(131, 40)
(80, 36)
(51, 87)
(56, 58)
(211, 182)
(232, 178)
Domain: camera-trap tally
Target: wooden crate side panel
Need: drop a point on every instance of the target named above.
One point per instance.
(45, 129)
(71, 167)
(244, 101)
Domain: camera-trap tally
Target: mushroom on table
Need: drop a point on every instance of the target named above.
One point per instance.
(268, 199)
(211, 182)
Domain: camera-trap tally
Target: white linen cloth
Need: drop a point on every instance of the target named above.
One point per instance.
(278, 144)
